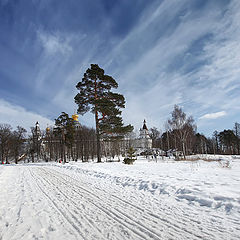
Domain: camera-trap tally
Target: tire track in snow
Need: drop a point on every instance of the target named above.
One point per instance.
(71, 223)
(108, 212)
(178, 230)
(50, 183)
(45, 180)
(164, 222)
(186, 222)
(148, 215)
(32, 187)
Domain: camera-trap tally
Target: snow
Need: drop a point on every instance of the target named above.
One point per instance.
(147, 200)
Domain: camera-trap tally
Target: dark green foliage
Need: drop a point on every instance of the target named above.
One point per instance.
(94, 90)
(95, 95)
(65, 128)
(128, 161)
(236, 130)
(228, 141)
(130, 156)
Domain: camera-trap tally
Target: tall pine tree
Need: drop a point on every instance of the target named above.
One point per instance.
(95, 95)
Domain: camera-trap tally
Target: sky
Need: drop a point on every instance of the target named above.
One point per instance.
(161, 53)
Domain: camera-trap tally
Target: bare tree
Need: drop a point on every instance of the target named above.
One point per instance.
(154, 135)
(182, 126)
(18, 138)
(5, 139)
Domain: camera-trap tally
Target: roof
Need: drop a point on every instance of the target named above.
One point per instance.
(144, 125)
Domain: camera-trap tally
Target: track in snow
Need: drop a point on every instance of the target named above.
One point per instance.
(125, 220)
(45, 203)
(100, 218)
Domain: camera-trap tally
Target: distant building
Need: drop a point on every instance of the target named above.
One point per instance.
(143, 141)
(36, 132)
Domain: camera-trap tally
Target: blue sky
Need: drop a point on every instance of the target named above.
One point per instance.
(161, 52)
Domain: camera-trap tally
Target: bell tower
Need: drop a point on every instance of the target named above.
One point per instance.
(144, 139)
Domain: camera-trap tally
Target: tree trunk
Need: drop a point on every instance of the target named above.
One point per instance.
(168, 145)
(32, 157)
(7, 162)
(2, 157)
(183, 146)
(98, 139)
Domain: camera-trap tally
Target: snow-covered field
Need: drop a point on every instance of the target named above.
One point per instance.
(147, 200)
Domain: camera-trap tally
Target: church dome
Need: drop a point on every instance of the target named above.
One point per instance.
(75, 117)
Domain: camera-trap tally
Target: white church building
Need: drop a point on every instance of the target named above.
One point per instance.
(143, 141)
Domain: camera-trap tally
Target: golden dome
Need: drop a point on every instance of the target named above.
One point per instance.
(75, 117)
(47, 129)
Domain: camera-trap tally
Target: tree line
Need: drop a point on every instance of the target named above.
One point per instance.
(70, 141)
(11, 143)
(67, 140)
(181, 134)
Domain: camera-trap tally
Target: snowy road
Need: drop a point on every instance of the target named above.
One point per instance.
(44, 202)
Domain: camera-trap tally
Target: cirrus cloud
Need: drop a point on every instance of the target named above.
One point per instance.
(54, 43)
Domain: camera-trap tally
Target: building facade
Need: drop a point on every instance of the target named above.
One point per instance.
(144, 140)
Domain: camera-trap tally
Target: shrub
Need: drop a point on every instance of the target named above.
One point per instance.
(128, 160)
(130, 156)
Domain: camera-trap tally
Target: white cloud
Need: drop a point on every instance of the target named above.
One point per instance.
(54, 43)
(16, 115)
(213, 115)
